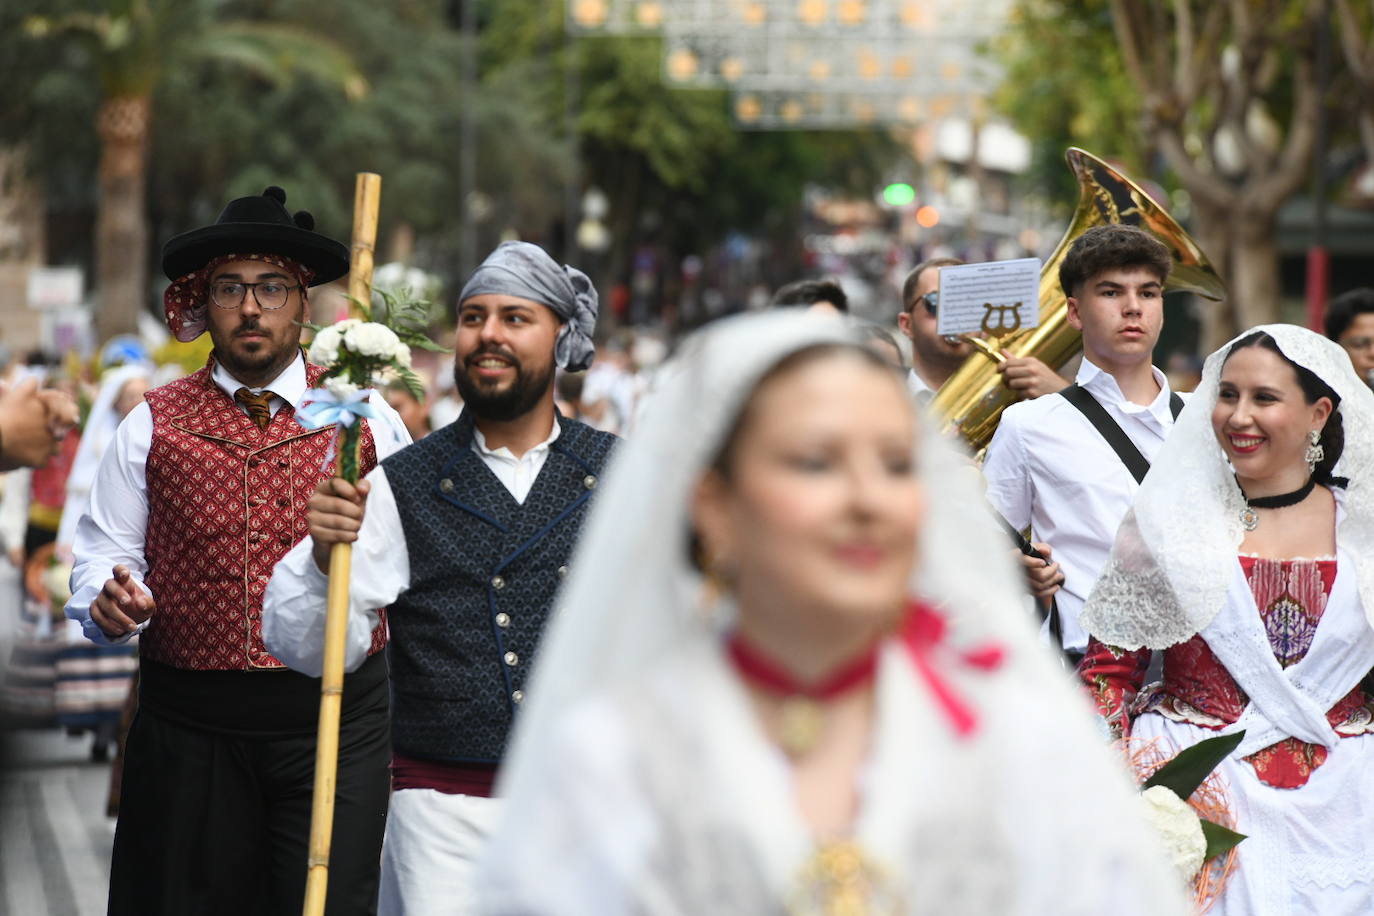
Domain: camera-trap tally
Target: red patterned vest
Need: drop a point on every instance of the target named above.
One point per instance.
(226, 501)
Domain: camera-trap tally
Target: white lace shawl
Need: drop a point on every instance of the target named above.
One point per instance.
(631, 611)
(1170, 566)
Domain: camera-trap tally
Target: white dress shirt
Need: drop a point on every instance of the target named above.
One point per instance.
(113, 529)
(1050, 469)
(921, 391)
(293, 608)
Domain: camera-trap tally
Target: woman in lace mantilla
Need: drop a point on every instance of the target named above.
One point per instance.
(741, 708)
(1246, 561)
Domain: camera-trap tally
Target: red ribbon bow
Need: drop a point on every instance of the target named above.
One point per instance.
(924, 632)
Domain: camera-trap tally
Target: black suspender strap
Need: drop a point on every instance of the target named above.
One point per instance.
(1175, 404)
(1116, 437)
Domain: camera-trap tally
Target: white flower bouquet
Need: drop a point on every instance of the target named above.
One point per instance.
(355, 353)
(1186, 804)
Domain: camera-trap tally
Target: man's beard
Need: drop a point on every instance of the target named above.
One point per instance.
(514, 401)
(240, 363)
(936, 356)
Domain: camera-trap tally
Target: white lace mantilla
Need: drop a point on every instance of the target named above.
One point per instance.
(1171, 564)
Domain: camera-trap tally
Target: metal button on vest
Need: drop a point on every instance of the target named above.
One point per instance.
(503, 619)
(512, 659)
(562, 572)
(518, 697)
(589, 482)
(498, 583)
(446, 485)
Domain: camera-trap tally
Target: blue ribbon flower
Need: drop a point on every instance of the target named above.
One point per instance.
(321, 407)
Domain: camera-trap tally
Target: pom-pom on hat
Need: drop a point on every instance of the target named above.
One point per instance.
(260, 224)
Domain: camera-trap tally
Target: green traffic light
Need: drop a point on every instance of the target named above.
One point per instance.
(899, 194)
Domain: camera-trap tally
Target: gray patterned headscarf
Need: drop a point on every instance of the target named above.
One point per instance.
(527, 271)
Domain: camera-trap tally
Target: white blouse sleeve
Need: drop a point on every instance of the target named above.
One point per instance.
(293, 608)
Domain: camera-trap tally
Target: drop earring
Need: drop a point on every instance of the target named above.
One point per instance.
(1315, 453)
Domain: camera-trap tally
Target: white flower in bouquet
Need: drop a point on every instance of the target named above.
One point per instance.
(401, 355)
(340, 387)
(372, 339)
(1178, 827)
(324, 349)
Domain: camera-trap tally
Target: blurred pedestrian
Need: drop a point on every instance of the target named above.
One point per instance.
(742, 706)
(1350, 323)
(464, 537)
(824, 295)
(202, 490)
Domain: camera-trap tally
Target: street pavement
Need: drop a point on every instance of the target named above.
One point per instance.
(55, 839)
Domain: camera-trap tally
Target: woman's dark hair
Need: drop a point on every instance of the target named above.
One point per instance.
(794, 360)
(1313, 389)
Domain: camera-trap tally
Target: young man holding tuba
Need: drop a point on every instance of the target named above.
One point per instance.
(1068, 466)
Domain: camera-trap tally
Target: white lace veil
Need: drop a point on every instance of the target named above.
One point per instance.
(1175, 552)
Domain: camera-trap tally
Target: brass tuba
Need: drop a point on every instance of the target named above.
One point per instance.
(973, 399)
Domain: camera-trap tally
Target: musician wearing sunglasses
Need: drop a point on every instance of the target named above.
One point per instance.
(934, 358)
(1350, 323)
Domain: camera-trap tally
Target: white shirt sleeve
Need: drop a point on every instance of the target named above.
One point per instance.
(113, 529)
(293, 608)
(1006, 469)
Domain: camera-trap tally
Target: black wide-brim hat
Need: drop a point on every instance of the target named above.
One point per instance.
(258, 225)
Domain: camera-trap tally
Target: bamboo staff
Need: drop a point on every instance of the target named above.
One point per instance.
(366, 197)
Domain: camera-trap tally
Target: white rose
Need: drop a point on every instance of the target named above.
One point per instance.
(324, 349)
(371, 339)
(401, 355)
(1178, 827)
(340, 387)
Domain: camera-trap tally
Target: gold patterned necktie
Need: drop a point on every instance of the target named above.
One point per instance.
(259, 405)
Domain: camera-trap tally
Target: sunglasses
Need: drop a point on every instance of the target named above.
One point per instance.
(931, 301)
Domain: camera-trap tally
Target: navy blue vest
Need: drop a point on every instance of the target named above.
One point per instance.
(483, 573)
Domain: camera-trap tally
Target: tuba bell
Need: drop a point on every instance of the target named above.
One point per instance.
(972, 401)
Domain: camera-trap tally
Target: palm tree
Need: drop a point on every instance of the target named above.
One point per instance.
(136, 45)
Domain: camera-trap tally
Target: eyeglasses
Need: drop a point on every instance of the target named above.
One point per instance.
(931, 301)
(1358, 343)
(268, 294)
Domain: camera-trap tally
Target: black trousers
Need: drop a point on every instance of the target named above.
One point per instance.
(213, 823)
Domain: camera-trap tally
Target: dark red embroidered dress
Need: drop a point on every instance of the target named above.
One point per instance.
(1197, 689)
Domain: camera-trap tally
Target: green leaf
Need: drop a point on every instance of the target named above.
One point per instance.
(413, 384)
(1219, 839)
(1190, 767)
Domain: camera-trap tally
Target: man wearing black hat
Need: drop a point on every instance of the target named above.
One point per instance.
(203, 490)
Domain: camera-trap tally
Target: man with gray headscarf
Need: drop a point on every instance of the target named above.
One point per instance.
(464, 537)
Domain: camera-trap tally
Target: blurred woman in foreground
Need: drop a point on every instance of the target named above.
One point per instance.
(742, 708)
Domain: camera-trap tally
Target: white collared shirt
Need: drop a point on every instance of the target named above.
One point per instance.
(921, 391)
(293, 608)
(113, 529)
(517, 474)
(1050, 469)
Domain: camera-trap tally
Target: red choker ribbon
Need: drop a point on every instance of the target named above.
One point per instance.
(923, 632)
(761, 671)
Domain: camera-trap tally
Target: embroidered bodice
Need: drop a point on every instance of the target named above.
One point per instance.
(1291, 596)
